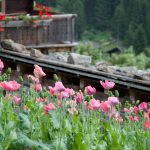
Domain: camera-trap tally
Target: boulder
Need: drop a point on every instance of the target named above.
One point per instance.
(102, 66)
(36, 53)
(143, 75)
(9, 44)
(127, 71)
(58, 56)
(78, 59)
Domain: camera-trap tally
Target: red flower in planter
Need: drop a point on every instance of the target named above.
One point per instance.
(2, 16)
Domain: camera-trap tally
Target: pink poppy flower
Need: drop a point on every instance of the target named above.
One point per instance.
(38, 100)
(38, 87)
(113, 100)
(131, 118)
(86, 105)
(10, 86)
(48, 107)
(105, 107)
(69, 91)
(135, 109)
(63, 95)
(59, 87)
(90, 90)
(107, 85)
(130, 110)
(72, 110)
(16, 100)
(38, 72)
(146, 125)
(71, 103)
(51, 90)
(136, 119)
(34, 79)
(143, 106)
(78, 97)
(1, 65)
(119, 119)
(126, 110)
(146, 116)
(94, 104)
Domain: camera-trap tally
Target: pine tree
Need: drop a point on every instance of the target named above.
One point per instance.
(76, 7)
(136, 36)
(89, 12)
(119, 21)
(102, 14)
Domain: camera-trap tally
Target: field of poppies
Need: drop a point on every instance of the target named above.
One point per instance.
(59, 118)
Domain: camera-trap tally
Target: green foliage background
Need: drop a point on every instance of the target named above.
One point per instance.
(127, 20)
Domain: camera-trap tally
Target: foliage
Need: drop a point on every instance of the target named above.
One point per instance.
(126, 58)
(127, 20)
(88, 49)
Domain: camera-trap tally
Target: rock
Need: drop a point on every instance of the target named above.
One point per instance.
(36, 53)
(78, 59)
(102, 66)
(143, 75)
(111, 69)
(127, 71)
(9, 44)
(102, 63)
(92, 68)
(59, 56)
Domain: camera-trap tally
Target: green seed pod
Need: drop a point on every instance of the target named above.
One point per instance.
(116, 93)
(20, 78)
(55, 77)
(8, 71)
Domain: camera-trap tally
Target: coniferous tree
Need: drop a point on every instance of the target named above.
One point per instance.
(76, 7)
(102, 14)
(119, 21)
(89, 12)
(136, 36)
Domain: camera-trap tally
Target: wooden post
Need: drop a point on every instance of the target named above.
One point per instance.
(4, 6)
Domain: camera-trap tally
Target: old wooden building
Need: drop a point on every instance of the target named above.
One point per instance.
(56, 32)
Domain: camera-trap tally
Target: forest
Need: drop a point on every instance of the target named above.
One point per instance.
(127, 20)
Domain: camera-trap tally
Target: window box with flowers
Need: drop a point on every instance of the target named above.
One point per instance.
(35, 27)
